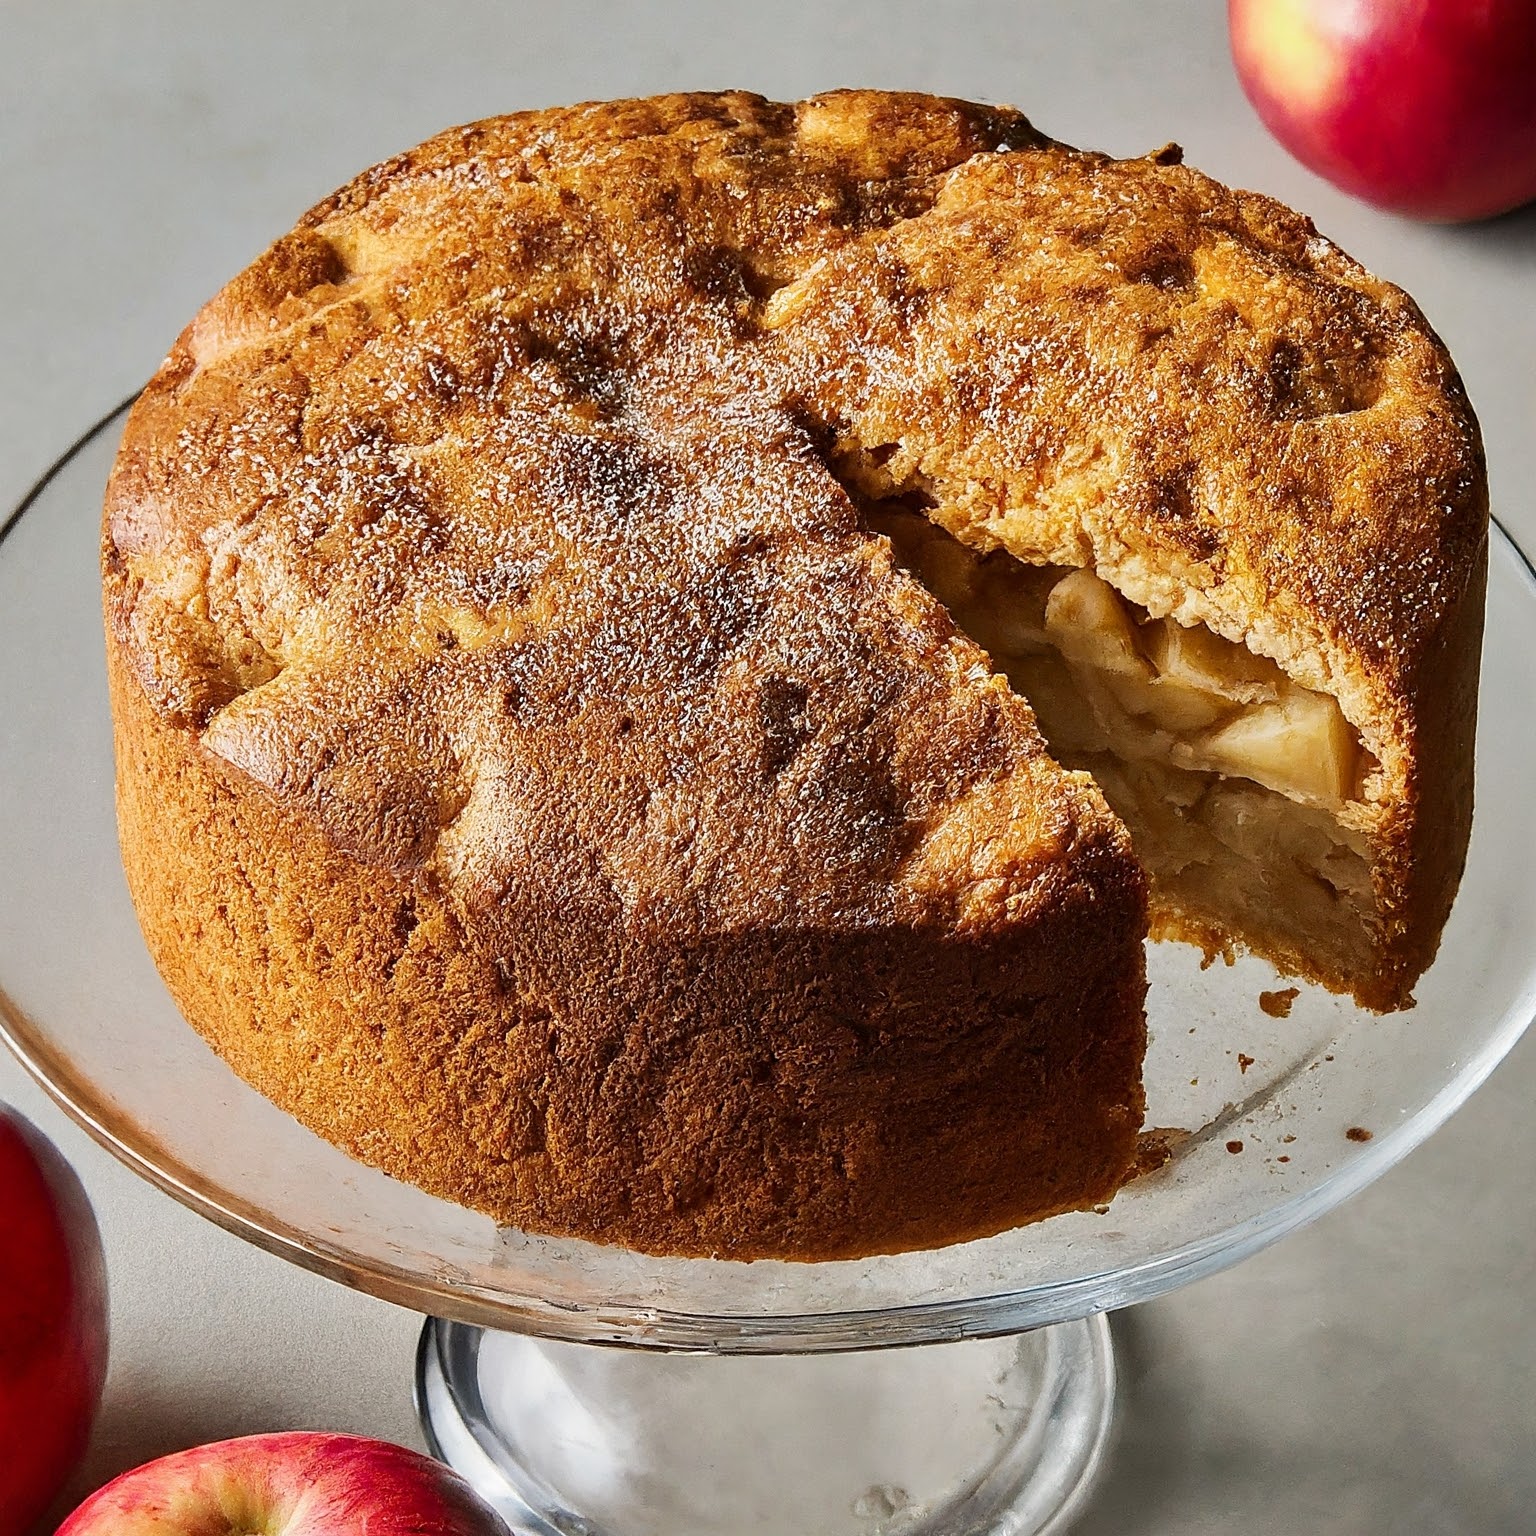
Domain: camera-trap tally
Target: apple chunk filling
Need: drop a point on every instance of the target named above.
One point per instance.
(1235, 781)
(1165, 692)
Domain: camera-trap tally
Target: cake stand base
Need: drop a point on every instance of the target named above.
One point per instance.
(988, 1437)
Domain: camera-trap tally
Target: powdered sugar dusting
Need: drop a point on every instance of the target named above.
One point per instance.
(497, 512)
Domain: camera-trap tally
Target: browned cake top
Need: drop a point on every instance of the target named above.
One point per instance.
(497, 514)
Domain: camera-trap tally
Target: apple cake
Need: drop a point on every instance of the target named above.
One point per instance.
(667, 655)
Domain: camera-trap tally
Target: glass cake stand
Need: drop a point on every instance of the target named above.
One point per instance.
(751, 1398)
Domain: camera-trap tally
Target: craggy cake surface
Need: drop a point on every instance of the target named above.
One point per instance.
(535, 775)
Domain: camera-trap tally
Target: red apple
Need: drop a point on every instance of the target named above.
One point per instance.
(53, 1322)
(297, 1484)
(1426, 107)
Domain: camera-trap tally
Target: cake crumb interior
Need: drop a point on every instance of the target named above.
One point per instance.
(1233, 779)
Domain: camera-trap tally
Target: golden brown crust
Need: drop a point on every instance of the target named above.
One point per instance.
(771, 1089)
(480, 554)
(1125, 365)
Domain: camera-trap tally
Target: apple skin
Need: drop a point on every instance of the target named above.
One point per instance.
(53, 1322)
(1423, 107)
(300, 1483)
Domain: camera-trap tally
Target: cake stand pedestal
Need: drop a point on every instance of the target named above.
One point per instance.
(987, 1435)
(749, 1398)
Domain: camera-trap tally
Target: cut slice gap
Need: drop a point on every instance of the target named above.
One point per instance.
(1241, 789)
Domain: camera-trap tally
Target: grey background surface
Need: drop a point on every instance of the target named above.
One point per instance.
(1372, 1374)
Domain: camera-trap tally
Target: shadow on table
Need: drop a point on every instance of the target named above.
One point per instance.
(1510, 235)
(1175, 1469)
(1512, 232)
